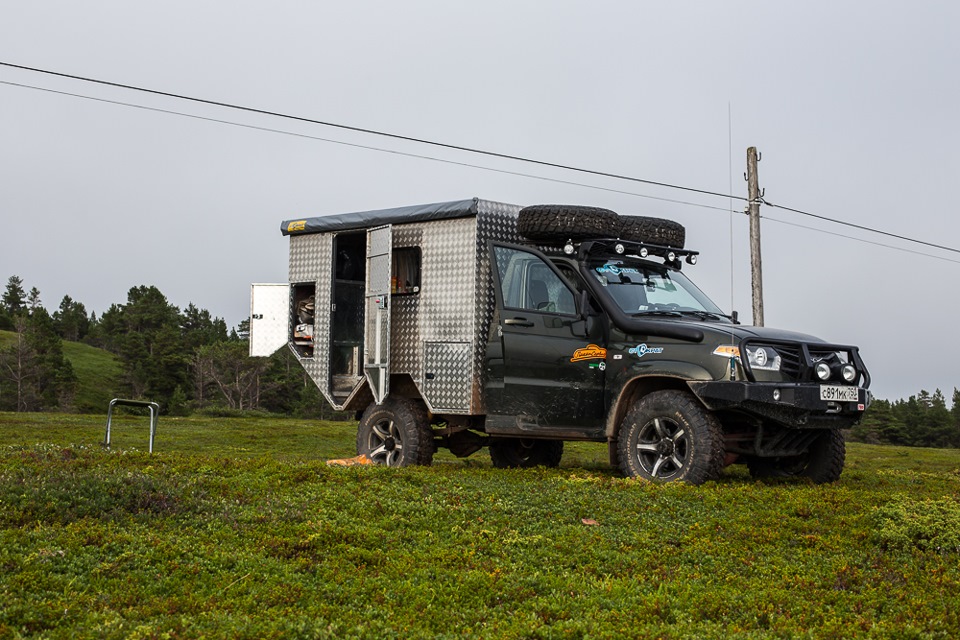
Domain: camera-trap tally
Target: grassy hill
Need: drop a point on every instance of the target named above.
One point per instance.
(98, 373)
(237, 528)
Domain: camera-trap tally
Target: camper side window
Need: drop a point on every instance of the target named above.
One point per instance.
(405, 278)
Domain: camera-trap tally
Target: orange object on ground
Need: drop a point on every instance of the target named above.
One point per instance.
(349, 462)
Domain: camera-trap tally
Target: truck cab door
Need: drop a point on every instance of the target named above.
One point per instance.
(376, 358)
(549, 373)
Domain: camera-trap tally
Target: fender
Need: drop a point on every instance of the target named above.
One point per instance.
(636, 381)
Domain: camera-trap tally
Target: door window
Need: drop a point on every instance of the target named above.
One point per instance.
(528, 283)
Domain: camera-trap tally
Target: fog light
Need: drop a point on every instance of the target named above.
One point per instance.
(643, 252)
(849, 372)
(776, 395)
(823, 370)
(619, 248)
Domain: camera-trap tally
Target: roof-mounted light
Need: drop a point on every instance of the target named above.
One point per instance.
(644, 252)
(619, 248)
(568, 248)
(692, 258)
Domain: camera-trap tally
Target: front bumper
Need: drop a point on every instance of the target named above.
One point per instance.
(799, 405)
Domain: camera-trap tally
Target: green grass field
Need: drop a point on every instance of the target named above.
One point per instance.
(237, 528)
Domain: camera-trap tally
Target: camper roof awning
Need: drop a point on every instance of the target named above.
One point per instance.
(367, 219)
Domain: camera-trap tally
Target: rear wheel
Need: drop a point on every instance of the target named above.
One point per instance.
(520, 453)
(395, 434)
(668, 436)
(822, 463)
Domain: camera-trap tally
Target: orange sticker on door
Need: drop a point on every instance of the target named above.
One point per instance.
(589, 352)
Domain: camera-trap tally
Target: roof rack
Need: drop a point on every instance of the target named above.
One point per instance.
(614, 247)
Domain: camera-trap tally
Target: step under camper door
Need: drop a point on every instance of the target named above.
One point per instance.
(376, 362)
(269, 318)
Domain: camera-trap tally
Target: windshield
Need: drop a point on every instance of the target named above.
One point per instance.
(641, 288)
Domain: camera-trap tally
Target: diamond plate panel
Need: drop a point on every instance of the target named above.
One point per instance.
(378, 243)
(449, 375)
(405, 343)
(495, 221)
(377, 335)
(308, 258)
(379, 275)
(448, 299)
(311, 260)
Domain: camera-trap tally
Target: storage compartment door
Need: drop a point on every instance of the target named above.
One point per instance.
(269, 318)
(376, 361)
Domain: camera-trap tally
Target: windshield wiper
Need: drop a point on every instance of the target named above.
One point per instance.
(703, 315)
(658, 312)
(707, 315)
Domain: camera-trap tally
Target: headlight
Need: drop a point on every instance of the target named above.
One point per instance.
(758, 357)
(761, 358)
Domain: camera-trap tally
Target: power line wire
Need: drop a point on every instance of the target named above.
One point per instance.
(361, 146)
(436, 144)
(861, 227)
(394, 136)
(878, 244)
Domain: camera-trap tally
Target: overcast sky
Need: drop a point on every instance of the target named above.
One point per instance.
(854, 106)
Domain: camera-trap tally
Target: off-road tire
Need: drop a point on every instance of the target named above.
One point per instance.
(428, 445)
(652, 231)
(395, 434)
(557, 223)
(668, 437)
(518, 453)
(822, 463)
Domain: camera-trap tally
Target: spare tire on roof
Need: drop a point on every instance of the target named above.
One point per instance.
(560, 222)
(652, 231)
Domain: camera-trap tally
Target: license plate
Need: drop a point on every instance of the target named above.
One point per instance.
(839, 394)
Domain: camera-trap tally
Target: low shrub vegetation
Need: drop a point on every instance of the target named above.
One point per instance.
(237, 528)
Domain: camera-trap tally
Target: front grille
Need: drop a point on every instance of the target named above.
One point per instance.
(797, 359)
(791, 361)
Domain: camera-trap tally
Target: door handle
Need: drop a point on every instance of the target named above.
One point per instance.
(518, 322)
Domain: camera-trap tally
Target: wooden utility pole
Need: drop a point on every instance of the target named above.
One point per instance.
(756, 274)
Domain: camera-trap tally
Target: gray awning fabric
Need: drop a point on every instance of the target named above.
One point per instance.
(367, 219)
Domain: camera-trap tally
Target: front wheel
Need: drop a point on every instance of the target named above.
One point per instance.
(395, 434)
(668, 436)
(520, 453)
(822, 463)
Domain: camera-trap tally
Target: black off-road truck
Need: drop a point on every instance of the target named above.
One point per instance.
(483, 324)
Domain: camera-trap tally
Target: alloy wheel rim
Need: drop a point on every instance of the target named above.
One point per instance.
(385, 443)
(663, 446)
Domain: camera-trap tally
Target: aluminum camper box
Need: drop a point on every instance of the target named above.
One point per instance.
(410, 300)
